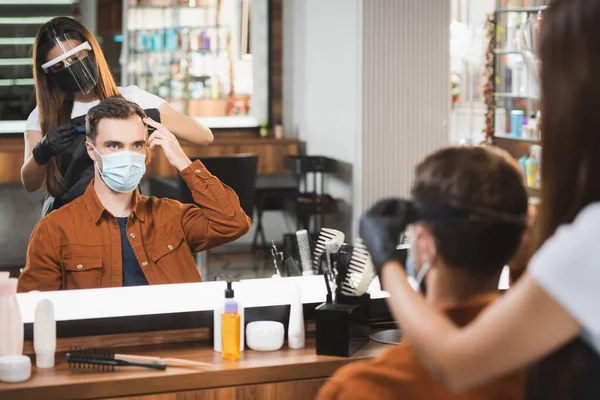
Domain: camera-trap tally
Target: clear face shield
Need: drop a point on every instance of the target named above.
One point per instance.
(71, 64)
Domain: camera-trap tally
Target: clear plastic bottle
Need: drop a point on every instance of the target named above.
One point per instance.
(11, 324)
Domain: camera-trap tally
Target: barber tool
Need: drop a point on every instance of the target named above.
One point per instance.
(304, 252)
(343, 326)
(291, 267)
(325, 235)
(360, 272)
(154, 115)
(331, 249)
(79, 123)
(277, 258)
(104, 360)
(170, 362)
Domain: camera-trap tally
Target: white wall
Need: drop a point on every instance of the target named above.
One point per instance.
(406, 91)
(367, 82)
(322, 80)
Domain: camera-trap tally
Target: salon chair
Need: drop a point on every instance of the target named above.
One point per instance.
(272, 193)
(238, 171)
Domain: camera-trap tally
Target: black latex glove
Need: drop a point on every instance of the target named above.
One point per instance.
(380, 229)
(153, 114)
(55, 142)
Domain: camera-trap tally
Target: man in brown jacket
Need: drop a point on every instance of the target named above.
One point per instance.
(111, 235)
(472, 196)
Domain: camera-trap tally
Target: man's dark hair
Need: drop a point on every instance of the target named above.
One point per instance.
(472, 178)
(113, 108)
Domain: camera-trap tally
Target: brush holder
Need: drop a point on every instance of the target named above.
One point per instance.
(341, 329)
(363, 301)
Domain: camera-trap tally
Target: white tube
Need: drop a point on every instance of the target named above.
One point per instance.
(44, 334)
(296, 322)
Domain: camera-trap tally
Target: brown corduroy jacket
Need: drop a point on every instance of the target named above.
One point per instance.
(79, 245)
(398, 374)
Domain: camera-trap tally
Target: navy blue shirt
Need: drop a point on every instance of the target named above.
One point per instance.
(132, 273)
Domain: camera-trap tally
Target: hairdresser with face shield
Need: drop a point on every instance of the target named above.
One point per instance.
(550, 319)
(71, 76)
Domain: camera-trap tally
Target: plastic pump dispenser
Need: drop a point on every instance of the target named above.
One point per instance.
(230, 326)
(218, 320)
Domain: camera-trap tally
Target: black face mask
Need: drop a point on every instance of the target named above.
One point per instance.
(80, 77)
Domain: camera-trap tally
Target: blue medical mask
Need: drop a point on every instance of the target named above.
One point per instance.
(415, 279)
(122, 171)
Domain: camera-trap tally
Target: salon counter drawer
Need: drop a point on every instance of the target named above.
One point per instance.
(284, 374)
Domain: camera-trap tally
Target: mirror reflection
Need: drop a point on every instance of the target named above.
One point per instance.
(180, 179)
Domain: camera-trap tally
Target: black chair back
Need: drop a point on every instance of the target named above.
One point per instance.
(238, 171)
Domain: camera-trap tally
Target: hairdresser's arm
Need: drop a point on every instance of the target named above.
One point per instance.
(184, 127)
(521, 327)
(32, 174)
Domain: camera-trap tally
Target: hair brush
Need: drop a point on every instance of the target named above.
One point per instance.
(103, 360)
(304, 252)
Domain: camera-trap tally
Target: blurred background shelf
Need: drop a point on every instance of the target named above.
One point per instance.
(516, 138)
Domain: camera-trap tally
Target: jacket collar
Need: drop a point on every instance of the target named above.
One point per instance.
(96, 209)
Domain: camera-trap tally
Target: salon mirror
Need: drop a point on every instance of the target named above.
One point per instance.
(248, 26)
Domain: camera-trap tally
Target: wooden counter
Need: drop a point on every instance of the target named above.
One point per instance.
(271, 153)
(284, 374)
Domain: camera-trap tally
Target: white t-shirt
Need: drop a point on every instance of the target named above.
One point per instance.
(131, 93)
(567, 267)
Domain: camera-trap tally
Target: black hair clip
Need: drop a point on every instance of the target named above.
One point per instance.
(79, 123)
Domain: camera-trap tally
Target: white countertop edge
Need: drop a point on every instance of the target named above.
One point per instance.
(174, 298)
(234, 122)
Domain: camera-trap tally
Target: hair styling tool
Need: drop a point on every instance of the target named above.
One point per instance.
(170, 362)
(104, 360)
(79, 123)
(331, 249)
(360, 272)
(277, 257)
(326, 235)
(304, 252)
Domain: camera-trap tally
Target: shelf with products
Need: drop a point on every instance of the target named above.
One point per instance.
(505, 52)
(513, 96)
(179, 27)
(178, 52)
(184, 6)
(528, 10)
(513, 100)
(188, 52)
(517, 138)
(171, 3)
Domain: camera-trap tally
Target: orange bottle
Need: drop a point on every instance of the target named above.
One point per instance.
(230, 331)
